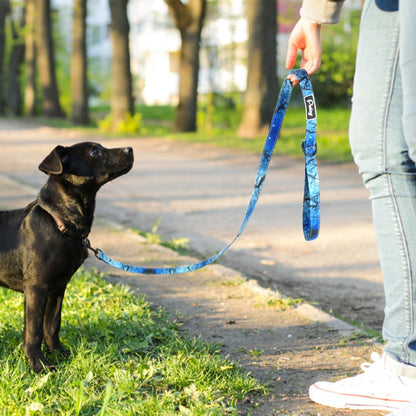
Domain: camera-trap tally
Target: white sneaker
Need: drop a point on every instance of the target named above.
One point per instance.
(377, 388)
(406, 411)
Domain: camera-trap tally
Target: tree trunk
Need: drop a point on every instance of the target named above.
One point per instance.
(14, 92)
(189, 20)
(51, 106)
(30, 88)
(261, 94)
(122, 102)
(79, 83)
(4, 11)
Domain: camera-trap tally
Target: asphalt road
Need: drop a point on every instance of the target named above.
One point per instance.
(201, 192)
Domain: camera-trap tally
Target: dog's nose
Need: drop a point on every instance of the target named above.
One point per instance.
(128, 150)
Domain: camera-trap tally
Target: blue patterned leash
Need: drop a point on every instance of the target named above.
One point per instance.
(311, 199)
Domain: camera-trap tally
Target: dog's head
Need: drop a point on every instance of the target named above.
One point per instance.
(88, 163)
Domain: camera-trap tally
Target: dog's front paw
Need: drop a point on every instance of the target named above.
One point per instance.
(64, 352)
(40, 365)
(60, 349)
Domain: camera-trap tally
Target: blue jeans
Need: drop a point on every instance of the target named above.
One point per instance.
(383, 142)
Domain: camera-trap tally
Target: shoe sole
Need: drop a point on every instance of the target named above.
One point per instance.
(351, 401)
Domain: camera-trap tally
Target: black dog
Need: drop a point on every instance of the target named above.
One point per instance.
(42, 245)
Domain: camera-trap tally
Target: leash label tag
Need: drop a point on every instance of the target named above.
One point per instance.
(310, 107)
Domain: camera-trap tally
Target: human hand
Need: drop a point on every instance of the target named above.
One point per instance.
(306, 36)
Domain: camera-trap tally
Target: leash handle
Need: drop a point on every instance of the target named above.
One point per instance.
(311, 199)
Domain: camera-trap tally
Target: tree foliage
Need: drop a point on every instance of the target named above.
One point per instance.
(334, 81)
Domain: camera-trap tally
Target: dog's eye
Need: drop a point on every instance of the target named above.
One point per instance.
(94, 152)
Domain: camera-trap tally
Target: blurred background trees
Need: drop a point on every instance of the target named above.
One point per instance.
(261, 93)
(79, 78)
(189, 19)
(45, 59)
(197, 55)
(122, 102)
(4, 12)
(16, 58)
(30, 51)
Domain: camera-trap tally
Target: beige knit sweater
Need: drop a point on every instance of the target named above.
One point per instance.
(322, 11)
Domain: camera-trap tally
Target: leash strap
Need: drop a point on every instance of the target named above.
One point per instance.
(311, 201)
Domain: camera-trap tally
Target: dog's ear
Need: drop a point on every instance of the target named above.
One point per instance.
(52, 164)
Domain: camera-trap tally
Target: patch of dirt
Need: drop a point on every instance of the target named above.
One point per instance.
(276, 343)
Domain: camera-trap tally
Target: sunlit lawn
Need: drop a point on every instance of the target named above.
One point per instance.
(126, 359)
(332, 136)
(332, 131)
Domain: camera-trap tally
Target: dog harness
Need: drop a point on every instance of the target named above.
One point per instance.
(311, 199)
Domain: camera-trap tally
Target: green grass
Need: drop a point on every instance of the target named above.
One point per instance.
(126, 359)
(332, 136)
(332, 131)
(179, 245)
(157, 112)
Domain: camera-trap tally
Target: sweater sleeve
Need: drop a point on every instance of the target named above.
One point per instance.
(322, 11)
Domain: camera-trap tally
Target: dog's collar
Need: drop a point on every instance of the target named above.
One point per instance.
(65, 230)
(61, 226)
